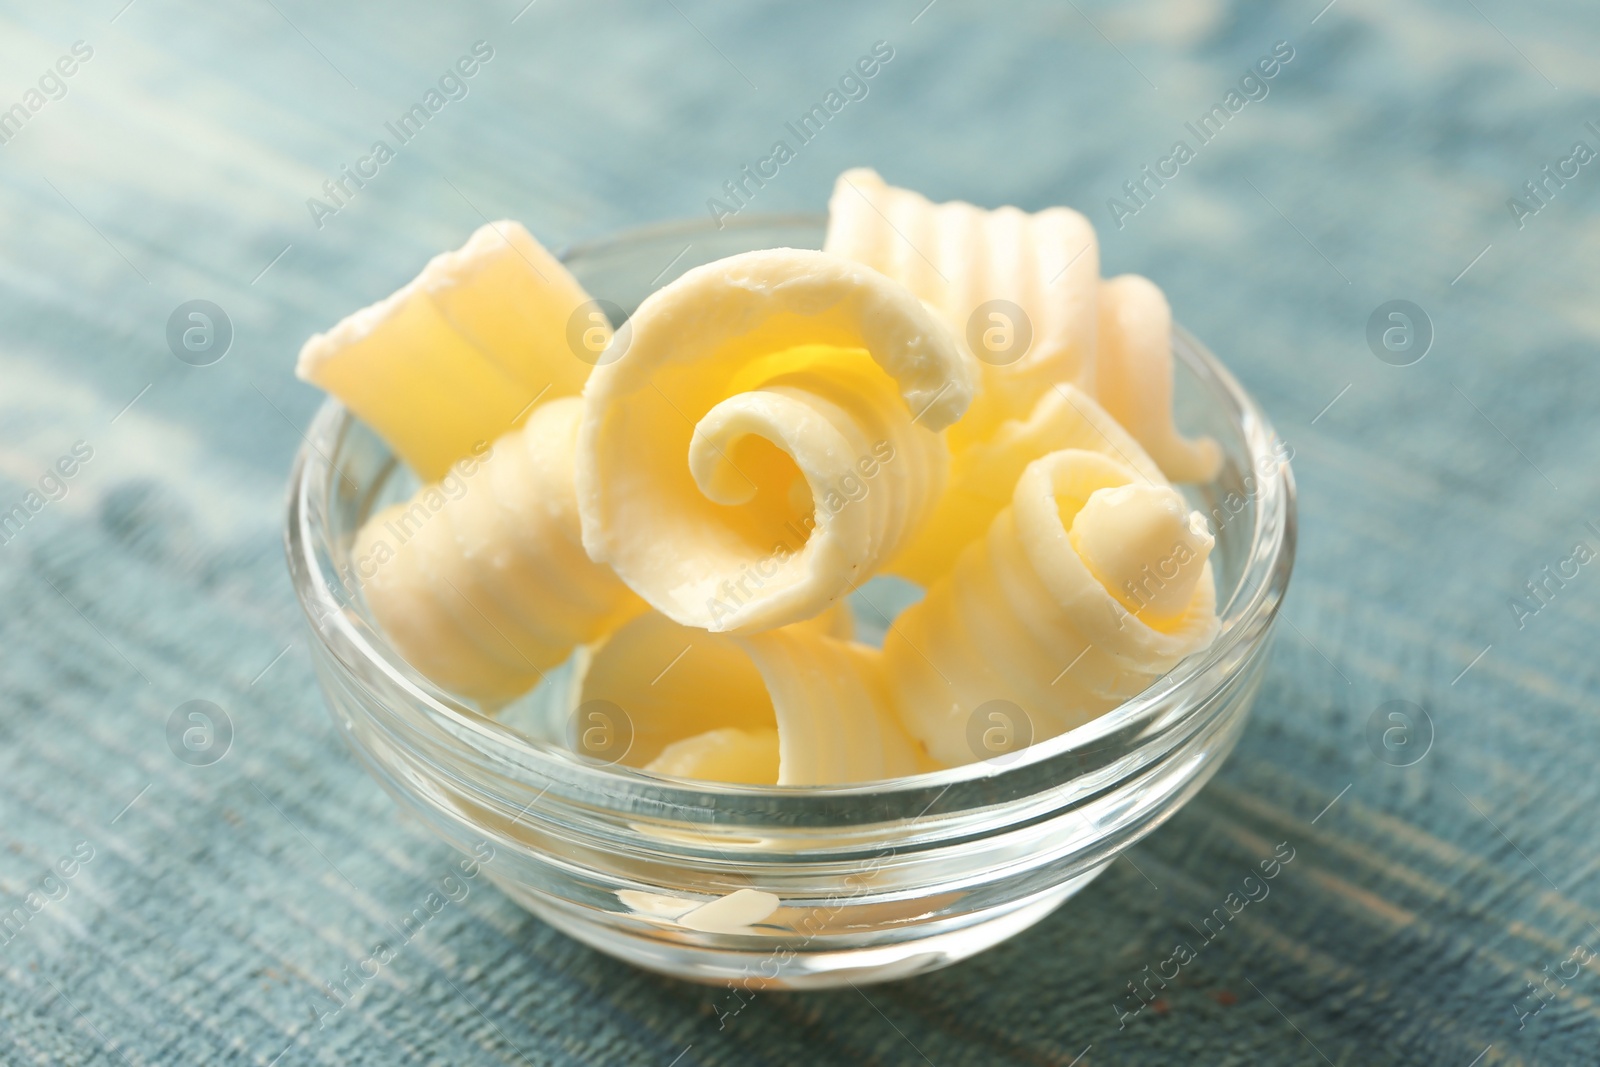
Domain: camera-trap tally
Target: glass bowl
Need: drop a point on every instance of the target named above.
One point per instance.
(797, 887)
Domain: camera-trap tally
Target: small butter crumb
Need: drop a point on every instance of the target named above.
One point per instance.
(731, 914)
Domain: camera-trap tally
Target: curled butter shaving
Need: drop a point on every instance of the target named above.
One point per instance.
(1034, 278)
(1133, 377)
(802, 705)
(836, 720)
(725, 755)
(472, 341)
(731, 462)
(984, 475)
(1024, 618)
(481, 580)
(673, 683)
(958, 258)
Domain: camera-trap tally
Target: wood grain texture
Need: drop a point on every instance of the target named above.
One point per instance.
(1417, 907)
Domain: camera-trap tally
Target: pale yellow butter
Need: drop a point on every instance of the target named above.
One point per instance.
(482, 582)
(460, 353)
(1023, 291)
(958, 259)
(763, 435)
(984, 474)
(725, 755)
(1133, 377)
(1024, 618)
(802, 705)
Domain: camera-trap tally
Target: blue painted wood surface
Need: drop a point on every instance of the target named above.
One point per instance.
(1422, 900)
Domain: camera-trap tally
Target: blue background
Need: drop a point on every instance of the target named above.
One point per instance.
(1418, 906)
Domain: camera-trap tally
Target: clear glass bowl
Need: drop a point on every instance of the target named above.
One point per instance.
(843, 883)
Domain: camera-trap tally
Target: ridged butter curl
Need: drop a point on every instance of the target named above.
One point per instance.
(762, 435)
(480, 580)
(1058, 617)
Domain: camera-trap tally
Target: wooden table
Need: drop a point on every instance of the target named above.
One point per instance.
(207, 905)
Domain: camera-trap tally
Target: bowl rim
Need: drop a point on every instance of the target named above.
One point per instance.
(1263, 582)
(652, 231)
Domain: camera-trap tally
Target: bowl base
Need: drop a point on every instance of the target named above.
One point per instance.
(793, 965)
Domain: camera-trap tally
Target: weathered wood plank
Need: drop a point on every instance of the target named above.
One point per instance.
(220, 899)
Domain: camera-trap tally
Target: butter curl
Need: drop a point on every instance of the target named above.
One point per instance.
(481, 580)
(801, 705)
(762, 436)
(1024, 618)
(1134, 377)
(961, 260)
(460, 353)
